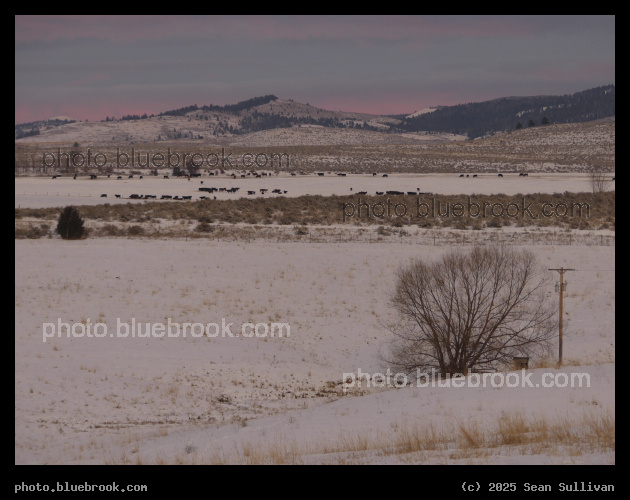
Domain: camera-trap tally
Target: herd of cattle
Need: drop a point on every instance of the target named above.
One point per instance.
(262, 191)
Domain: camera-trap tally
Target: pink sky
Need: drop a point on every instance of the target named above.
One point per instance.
(96, 66)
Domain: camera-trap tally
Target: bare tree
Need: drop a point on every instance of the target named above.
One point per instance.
(599, 181)
(471, 310)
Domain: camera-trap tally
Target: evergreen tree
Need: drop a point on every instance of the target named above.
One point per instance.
(70, 224)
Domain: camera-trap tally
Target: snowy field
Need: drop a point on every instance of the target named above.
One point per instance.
(110, 399)
(39, 192)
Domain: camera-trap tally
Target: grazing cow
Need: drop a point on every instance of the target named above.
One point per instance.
(285, 192)
(279, 191)
(293, 174)
(166, 176)
(176, 198)
(251, 192)
(412, 193)
(362, 192)
(166, 197)
(461, 175)
(373, 174)
(379, 193)
(103, 196)
(117, 195)
(186, 197)
(222, 189)
(385, 175)
(474, 175)
(321, 174)
(119, 177)
(130, 177)
(500, 175)
(202, 197)
(263, 191)
(134, 197)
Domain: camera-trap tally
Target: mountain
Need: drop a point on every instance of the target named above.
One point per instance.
(213, 123)
(501, 115)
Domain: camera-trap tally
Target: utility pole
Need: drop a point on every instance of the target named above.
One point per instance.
(561, 289)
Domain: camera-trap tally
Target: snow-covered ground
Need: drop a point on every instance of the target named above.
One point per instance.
(222, 399)
(38, 192)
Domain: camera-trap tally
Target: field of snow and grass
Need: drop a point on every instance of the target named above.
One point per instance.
(37, 192)
(263, 399)
(138, 399)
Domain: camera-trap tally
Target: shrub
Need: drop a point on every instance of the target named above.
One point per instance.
(135, 230)
(70, 224)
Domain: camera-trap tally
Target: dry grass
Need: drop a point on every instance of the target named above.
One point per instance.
(474, 440)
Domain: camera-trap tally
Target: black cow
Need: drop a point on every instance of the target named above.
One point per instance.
(166, 176)
(103, 196)
(500, 175)
(117, 195)
(461, 175)
(379, 193)
(321, 174)
(130, 177)
(362, 192)
(251, 192)
(119, 177)
(385, 175)
(475, 175)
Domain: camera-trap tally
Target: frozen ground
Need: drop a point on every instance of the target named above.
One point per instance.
(81, 400)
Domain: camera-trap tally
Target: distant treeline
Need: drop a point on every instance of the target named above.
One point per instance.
(228, 108)
(33, 128)
(509, 113)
